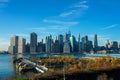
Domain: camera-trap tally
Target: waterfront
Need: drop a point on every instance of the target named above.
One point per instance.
(7, 67)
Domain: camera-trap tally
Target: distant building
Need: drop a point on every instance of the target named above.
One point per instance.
(55, 46)
(95, 43)
(48, 44)
(67, 36)
(119, 46)
(89, 46)
(21, 45)
(73, 43)
(82, 45)
(27, 48)
(33, 42)
(60, 39)
(66, 47)
(40, 47)
(114, 45)
(79, 44)
(108, 45)
(85, 43)
(13, 48)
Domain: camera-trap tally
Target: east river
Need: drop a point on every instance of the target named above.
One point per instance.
(7, 68)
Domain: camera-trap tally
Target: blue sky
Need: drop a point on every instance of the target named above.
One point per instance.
(87, 17)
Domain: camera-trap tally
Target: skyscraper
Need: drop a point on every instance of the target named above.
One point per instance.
(85, 43)
(82, 44)
(21, 45)
(114, 45)
(55, 46)
(73, 43)
(40, 47)
(33, 42)
(60, 39)
(67, 36)
(27, 48)
(79, 44)
(48, 44)
(13, 48)
(66, 47)
(108, 45)
(95, 41)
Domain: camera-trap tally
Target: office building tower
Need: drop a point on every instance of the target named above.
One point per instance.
(73, 43)
(108, 45)
(48, 44)
(119, 45)
(95, 41)
(69, 34)
(60, 39)
(13, 48)
(82, 44)
(85, 43)
(89, 46)
(66, 37)
(79, 45)
(33, 42)
(114, 45)
(55, 46)
(66, 47)
(27, 48)
(85, 39)
(40, 47)
(21, 45)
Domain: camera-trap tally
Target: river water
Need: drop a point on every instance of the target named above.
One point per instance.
(7, 67)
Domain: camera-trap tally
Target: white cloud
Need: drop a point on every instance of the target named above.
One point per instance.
(82, 4)
(60, 22)
(65, 14)
(109, 27)
(54, 27)
(75, 10)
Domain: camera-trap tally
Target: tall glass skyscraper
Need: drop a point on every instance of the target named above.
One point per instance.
(95, 41)
(21, 45)
(72, 43)
(13, 48)
(33, 42)
(48, 44)
(60, 39)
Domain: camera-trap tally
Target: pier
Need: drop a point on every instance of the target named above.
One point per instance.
(24, 65)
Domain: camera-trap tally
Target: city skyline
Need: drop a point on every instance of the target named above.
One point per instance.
(46, 17)
(66, 43)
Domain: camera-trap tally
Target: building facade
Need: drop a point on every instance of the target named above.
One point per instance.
(33, 42)
(22, 45)
(13, 48)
